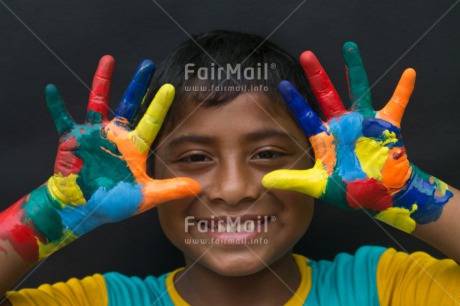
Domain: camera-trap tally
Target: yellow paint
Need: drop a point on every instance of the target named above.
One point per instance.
(441, 187)
(372, 156)
(398, 217)
(311, 182)
(151, 122)
(65, 189)
(44, 250)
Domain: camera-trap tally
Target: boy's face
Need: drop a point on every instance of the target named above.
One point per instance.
(227, 150)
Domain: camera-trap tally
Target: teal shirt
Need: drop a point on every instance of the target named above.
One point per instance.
(347, 280)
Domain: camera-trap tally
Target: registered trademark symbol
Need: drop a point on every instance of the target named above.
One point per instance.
(272, 65)
(272, 218)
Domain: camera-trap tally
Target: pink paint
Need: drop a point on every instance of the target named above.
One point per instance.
(21, 236)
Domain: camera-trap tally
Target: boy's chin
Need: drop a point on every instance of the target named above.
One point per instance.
(234, 263)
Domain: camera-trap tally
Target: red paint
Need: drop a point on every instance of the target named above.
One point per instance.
(397, 155)
(20, 236)
(99, 96)
(66, 162)
(369, 194)
(322, 87)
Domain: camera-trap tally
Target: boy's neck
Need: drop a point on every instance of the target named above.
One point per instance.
(274, 286)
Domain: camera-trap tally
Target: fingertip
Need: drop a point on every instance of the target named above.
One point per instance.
(288, 91)
(107, 59)
(167, 91)
(410, 73)
(267, 180)
(50, 89)
(349, 46)
(309, 62)
(106, 65)
(145, 72)
(52, 94)
(192, 185)
(148, 64)
(169, 87)
(285, 87)
(274, 179)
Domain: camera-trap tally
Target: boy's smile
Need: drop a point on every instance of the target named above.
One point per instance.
(234, 226)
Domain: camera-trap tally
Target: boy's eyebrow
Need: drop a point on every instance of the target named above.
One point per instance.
(253, 136)
(199, 139)
(269, 133)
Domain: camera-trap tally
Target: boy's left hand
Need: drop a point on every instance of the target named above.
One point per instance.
(360, 159)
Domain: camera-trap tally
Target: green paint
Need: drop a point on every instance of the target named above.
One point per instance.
(360, 94)
(335, 193)
(94, 117)
(61, 117)
(41, 209)
(96, 162)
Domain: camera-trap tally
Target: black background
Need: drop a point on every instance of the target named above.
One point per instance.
(61, 42)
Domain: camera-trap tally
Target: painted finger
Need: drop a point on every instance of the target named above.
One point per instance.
(322, 87)
(394, 110)
(311, 182)
(308, 120)
(133, 97)
(99, 97)
(62, 120)
(360, 93)
(160, 191)
(151, 122)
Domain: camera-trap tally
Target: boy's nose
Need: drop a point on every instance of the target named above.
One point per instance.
(234, 184)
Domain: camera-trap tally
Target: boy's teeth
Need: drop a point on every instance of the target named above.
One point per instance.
(221, 228)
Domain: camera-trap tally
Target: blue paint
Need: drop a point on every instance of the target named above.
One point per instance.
(105, 206)
(420, 191)
(374, 128)
(133, 96)
(346, 130)
(308, 120)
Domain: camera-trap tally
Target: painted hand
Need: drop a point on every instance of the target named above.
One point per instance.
(100, 169)
(360, 159)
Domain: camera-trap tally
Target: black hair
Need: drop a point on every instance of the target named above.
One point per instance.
(219, 53)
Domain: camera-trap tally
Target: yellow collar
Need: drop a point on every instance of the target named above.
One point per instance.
(297, 299)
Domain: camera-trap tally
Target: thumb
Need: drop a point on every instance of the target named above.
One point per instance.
(160, 191)
(311, 182)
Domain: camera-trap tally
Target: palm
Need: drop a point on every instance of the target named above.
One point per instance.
(99, 164)
(366, 163)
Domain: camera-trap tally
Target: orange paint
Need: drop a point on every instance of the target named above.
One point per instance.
(397, 169)
(154, 191)
(324, 148)
(394, 110)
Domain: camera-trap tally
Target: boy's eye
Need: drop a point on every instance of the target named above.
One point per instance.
(195, 158)
(268, 155)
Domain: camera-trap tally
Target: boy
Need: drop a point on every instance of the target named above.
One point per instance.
(245, 213)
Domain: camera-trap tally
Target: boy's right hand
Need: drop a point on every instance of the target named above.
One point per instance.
(100, 169)
(361, 161)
